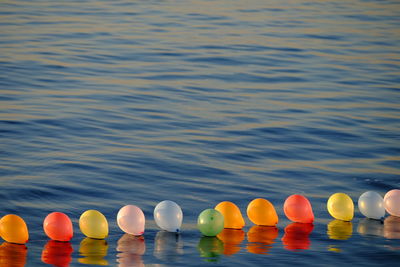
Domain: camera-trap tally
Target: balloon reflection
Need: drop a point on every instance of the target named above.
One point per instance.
(370, 227)
(391, 227)
(57, 253)
(297, 236)
(210, 247)
(232, 238)
(261, 238)
(130, 248)
(93, 251)
(168, 246)
(13, 255)
(340, 230)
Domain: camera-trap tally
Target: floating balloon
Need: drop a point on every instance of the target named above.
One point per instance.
(210, 247)
(341, 207)
(232, 216)
(232, 238)
(131, 220)
(261, 238)
(93, 224)
(298, 209)
(392, 202)
(261, 212)
(297, 236)
(168, 216)
(93, 251)
(371, 205)
(57, 253)
(13, 255)
(210, 222)
(13, 229)
(58, 226)
(340, 230)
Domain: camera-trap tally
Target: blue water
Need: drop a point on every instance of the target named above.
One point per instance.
(108, 103)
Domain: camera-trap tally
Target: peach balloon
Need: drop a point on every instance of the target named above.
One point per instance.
(392, 202)
(58, 226)
(13, 229)
(298, 209)
(232, 216)
(261, 212)
(131, 220)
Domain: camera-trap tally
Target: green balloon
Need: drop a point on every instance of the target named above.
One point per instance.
(210, 222)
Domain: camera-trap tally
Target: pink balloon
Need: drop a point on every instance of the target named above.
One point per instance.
(131, 220)
(392, 202)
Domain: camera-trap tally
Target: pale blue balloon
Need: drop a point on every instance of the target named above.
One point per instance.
(371, 205)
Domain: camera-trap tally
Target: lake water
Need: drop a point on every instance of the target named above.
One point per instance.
(108, 103)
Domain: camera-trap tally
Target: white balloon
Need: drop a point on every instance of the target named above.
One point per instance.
(371, 205)
(168, 216)
(131, 220)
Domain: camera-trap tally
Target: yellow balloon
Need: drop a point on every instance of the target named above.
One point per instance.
(341, 207)
(232, 216)
(13, 229)
(340, 230)
(261, 212)
(93, 251)
(93, 224)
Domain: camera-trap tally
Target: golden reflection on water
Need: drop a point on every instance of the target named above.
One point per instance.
(232, 238)
(13, 254)
(261, 239)
(340, 230)
(93, 251)
(57, 253)
(130, 250)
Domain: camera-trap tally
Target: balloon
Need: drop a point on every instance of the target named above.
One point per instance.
(232, 216)
(93, 224)
(232, 238)
(13, 229)
(297, 236)
(93, 251)
(131, 220)
(341, 207)
(340, 230)
(298, 209)
(261, 238)
(57, 253)
(58, 226)
(261, 212)
(371, 205)
(168, 216)
(210, 222)
(210, 247)
(130, 250)
(13, 255)
(392, 202)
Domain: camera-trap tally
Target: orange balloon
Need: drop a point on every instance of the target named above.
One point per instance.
(13, 255)
(232, 238)
(261, 238)
(57, 253)
(297, 236)
(232, 216)
(298, 209)
(261, 212)
(13, 229)
(58, 226)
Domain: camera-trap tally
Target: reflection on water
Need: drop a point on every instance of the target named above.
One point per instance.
(168, 246)
(340, 230)
(232, 238)
(370, 227)
(261, 238)
(13, 255)
(93, 251)
(210, 248)
(297, 236)
(391, 227)
(130, 250)
(57, 253)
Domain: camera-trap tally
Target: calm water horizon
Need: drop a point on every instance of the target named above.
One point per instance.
(109, 103)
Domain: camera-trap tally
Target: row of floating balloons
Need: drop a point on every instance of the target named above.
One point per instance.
(168, 216)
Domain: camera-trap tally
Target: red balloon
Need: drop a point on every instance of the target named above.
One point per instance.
(58, 226)
(57, 253)
(297, 236)
(298, 209)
